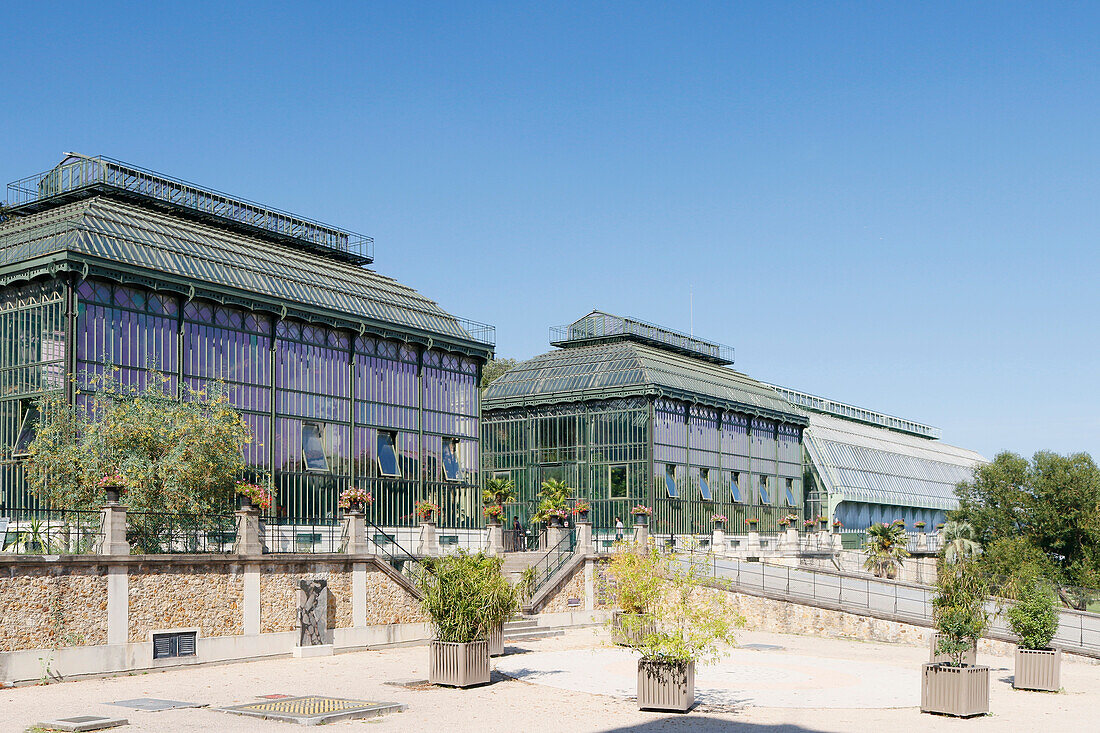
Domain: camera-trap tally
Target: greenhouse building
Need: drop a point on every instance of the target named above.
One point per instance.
(344, 376)
(627, 413)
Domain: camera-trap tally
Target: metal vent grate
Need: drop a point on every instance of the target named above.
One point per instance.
(174, 645)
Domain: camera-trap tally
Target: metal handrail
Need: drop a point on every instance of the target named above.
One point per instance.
(553, 561)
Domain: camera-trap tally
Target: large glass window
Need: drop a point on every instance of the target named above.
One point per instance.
(670, 481)
(387, 454)
(618, 482)
(735, 487)
(704, 484)
(313, 447)
(765, 496)
(451, 469)
(27, 429)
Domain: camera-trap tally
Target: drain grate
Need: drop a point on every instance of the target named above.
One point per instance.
(82, 723)
(314, 709)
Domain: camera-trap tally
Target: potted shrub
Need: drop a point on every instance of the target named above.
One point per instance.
(689, 626)
(554, 502)
(580, 511)
(1033, 618)
(426, 511)
(355, 499)
(961, 617)
(633, 585)
(253, 496)
(468, 599)
(494, 513)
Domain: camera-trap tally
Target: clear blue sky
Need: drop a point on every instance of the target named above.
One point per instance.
(890, 204)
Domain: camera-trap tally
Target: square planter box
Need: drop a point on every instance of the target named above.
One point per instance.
(633, 634)
(1038, 669)
(496, 642)
(969, 657)
(458, 665)
(959, 691)
(664, 686)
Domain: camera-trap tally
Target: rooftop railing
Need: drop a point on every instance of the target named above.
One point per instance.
(79, 173)
(860, 414)
(482, 333)
(605, 327)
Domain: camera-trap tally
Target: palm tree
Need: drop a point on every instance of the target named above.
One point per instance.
(498, 491)
(959, 542)
(886, 547)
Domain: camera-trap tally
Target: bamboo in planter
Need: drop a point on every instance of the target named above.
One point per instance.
(458, 665)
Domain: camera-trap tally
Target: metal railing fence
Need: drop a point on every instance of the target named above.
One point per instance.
(1078, 632)
(156, 533)
(397, 556)
(305, 535)
(57, 532)
(553, 561)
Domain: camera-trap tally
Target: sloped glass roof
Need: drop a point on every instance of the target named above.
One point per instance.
(875, 465)
(626, 368)
(104, 230)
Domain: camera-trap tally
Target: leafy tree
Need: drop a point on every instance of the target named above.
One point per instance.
(1051, 502)
(174, 455)
(1033, 617)
(886, 547)
(495, 369)
(959, 541)
(959, 608)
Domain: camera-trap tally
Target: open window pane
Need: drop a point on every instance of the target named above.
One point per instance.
(670, 481)
(790, 492)
(27, 430)
(451, 468)
(735, 487)
(765, 497)
(387, 455)
(704, 484)
(313, 447)
(618, 482)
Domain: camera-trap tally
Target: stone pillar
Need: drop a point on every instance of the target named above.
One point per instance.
(355, 530)
(249, 540)
(790, 539)
(838, 543)
(718, 538)
(922, 541)
(590, 585)
(641, 529)
(584, 537)
(114, 541)
(429, 540)
(359, 594)
(118, 604)
(752, 545)
(496, 538)
(554, 535)
(250, 608)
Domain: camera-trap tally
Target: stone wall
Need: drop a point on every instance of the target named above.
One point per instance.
(49, 606)
(209, 598)
(389, 603)
(573, 587)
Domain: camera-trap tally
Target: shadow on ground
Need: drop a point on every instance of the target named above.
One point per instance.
(693, 722)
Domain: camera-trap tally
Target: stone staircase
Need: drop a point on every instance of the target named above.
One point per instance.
(516, 562)
(523, 628)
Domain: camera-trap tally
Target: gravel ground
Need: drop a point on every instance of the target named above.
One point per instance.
(516, 706)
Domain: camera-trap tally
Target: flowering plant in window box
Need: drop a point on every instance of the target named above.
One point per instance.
(720, 518)
(253, 495)
(919, 524)
(355, 498)
(494, 512)
(641, 510)
(425, 510)
(751, 521)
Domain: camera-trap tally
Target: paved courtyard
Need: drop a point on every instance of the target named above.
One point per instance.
(577, 683)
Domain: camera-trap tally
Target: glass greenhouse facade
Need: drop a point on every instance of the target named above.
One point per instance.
(345, 377)
(627, 412)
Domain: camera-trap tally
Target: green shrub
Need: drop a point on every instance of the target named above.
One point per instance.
(1034, 618)
(466, 596)
(959, 608)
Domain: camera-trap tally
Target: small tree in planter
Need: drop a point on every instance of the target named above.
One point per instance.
(632, 581)
(498, 491)
(1034, 620)
(554, 503)
(961, 617)
(689, 627)
(468, 599)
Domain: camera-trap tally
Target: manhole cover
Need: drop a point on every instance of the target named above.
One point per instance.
(314, 710)
(762, 647)
(82, 722)
(153, 704)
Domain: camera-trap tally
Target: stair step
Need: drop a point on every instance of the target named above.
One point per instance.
(520, 625)
(533, 635)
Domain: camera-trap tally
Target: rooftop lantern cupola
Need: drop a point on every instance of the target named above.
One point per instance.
(599, 327)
